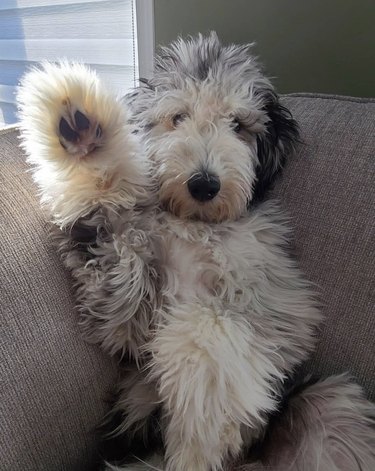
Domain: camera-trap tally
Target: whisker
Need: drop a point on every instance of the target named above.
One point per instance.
(148, 464)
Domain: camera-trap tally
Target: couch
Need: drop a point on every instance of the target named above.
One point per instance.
(53, 385)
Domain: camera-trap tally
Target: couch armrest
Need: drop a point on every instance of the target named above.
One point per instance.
(52, 382)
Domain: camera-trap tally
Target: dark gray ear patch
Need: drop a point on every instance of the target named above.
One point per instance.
(276, 144)
(67, 132)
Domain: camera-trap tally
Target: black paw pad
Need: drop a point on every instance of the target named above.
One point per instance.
(82, 122)
(67, 132)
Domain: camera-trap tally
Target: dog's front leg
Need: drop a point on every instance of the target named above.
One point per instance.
(80, 145)
(210, 385)
(93, 184)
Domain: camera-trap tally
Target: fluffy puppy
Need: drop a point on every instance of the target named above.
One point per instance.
(179, 265)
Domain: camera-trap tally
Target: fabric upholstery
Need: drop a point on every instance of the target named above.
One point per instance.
(328, 189)
(52, 383)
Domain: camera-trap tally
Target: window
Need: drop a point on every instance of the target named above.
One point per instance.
(113, 36)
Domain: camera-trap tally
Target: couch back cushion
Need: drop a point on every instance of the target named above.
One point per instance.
(329, 190)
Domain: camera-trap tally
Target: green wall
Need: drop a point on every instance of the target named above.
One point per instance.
(306, 45)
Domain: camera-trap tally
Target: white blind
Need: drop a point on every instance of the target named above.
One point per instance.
(101, 33)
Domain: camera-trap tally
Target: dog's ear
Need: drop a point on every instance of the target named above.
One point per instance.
(139, 100)
(275, 144)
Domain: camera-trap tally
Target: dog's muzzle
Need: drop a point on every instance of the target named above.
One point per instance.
(204, 187)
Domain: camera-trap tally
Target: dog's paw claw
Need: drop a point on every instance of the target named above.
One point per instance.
(78, 134)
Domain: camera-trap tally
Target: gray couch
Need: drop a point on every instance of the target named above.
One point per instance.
(53, 384)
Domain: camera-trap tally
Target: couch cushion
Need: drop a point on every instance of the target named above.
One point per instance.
(328, 189)
(52, 383)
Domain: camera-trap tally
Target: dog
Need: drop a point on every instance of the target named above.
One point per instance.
(182, 267)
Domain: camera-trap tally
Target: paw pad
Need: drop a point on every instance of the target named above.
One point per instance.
(67, 132)
(82, 122)
(78, 134)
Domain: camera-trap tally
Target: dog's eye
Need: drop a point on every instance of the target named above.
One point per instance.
(178, 118)
(236, 125)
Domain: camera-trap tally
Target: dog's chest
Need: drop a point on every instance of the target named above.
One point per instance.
(199, 262)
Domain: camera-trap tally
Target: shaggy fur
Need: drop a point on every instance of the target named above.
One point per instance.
(181, 268)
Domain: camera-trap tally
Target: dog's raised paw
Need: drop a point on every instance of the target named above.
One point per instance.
(79, 134)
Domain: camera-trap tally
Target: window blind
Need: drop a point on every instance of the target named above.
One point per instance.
(101, 33)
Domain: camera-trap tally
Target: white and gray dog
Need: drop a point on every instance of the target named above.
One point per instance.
(182, 269)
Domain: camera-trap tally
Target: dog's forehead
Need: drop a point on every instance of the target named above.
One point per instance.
(211, 98)
(208, 99)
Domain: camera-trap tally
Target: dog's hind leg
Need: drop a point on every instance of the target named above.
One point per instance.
(132, 430)
(327, 426)
(208, 384)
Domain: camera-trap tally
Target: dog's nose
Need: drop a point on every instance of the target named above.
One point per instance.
(204, 187)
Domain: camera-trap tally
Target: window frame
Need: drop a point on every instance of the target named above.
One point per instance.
(145, 33)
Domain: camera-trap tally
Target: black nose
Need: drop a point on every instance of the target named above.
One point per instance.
(204, 187)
